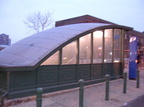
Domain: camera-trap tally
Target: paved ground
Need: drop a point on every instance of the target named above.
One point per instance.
(94, 96)
(138, 102)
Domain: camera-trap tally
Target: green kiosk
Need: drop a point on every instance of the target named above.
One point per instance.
(57, 58)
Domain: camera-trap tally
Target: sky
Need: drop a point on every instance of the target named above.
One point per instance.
(13, 13)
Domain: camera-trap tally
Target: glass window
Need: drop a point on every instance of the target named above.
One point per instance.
(97, 46)
(85, 49)
(126, 49)
(126, 45)
(117, 45)
(52, 60)
(69, 53)
(108, 45)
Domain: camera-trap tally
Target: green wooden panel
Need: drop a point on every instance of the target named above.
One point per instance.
(23, 80)
(83, 71)
(47, 76)
(113, 69)
(96, 71)
(3, 82)
(117, 69)
(58, 77)
(107, 69)
(68, 73)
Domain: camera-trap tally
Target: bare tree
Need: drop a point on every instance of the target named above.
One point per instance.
(38, 21)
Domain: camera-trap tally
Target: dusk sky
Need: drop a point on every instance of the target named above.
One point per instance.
(124, 12)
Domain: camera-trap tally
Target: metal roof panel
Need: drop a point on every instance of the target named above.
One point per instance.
(31, 50)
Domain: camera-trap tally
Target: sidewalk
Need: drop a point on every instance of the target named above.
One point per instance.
(94, 95)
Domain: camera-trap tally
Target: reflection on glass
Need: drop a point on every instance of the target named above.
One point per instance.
(117, 45)
(69, 53)
(52, 60)
(97, 46)
(108, 46)
(85, 49)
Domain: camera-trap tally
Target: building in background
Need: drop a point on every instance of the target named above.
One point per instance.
(5, 41)
(81, 19)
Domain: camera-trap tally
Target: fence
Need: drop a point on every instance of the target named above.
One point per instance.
(81, 89)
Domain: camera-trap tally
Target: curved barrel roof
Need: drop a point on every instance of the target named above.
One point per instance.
(29, 51)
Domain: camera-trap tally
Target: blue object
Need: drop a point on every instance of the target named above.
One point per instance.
(133, 58)
(116, 36)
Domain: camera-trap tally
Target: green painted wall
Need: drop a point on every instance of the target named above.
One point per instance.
(58, 77)
(3, 82)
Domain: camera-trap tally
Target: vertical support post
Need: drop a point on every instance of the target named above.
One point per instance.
(107, 87)
(81, 92)
(125, 82)
(78, 49)
(103, 46)
(39, 97)
(122, 47)
(60, 56)
(113, 45)
(138, 79)
(92, 47)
